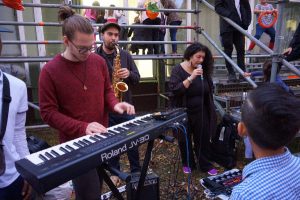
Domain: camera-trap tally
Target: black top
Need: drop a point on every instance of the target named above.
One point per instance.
(198, 97)
(226, 8)
(193, 97)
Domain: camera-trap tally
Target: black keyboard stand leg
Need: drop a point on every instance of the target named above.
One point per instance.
(144, 169)
(110, 184)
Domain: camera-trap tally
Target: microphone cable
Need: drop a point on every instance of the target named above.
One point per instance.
(183, 129)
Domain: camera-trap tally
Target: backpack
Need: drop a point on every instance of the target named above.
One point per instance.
(224, 143)
(36, 144)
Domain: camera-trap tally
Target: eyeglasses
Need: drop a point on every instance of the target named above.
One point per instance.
(83, 50)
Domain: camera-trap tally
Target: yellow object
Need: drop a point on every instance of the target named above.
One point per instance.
(118, 85)
(291, 24)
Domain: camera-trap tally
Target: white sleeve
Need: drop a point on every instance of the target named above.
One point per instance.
(23, 102)
(20, 133)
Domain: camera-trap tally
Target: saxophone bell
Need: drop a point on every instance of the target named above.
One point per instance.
(122, 86)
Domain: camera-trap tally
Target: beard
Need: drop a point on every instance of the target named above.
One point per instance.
(110, 45)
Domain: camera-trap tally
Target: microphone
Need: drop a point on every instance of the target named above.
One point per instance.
(200, 67)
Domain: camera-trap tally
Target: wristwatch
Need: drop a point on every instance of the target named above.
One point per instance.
(190, 79)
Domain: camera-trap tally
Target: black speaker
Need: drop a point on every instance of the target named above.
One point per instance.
(150, 191)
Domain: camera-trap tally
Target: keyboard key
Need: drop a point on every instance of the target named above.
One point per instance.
(63, 150)
(86, 141)
(94, 138)
(77, 145)
(69, 147)
(43, 158)
(112, 132)
(54, 153)
(48, 155)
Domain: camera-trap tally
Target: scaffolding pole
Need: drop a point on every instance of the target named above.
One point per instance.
(97, 42)
(248, 79)
(94, 25)
(101, 7)
(33, 106)
(259, 43)
(19, 59)
(276, 57)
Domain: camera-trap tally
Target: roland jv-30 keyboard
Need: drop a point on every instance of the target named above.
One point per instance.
(48, 168)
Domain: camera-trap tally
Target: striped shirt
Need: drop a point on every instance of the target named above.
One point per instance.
(275, 177)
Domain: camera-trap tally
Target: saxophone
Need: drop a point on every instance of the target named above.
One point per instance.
(119, 86)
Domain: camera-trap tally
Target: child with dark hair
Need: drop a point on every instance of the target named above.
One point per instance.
(266, 73)
(271, 119)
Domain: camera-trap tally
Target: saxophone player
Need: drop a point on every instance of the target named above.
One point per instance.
(121, 68)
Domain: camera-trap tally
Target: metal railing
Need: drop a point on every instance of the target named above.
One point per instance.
(33, 5)
(259, 43)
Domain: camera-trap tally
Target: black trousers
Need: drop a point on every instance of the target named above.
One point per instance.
(228, 39)
(197, 131)
(13, 191)
(88, 186)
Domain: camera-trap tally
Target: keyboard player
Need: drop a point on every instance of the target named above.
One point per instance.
(75, 93)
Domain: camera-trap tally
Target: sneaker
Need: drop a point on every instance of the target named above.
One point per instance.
(248, 52)
(212, 172)
(186, 170)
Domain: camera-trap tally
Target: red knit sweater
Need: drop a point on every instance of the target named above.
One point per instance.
(65, 105)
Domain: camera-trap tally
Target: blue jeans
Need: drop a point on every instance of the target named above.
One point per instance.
(173, 33)
(133, 154)
(270, 31)
(13, 191)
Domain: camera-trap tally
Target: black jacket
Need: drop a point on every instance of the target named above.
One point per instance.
(295, 43)
(226, 8)
(126, 62)
(138, 33)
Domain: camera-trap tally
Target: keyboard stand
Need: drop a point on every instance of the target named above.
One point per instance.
(144, 169)
(114, 189)
(109, 183)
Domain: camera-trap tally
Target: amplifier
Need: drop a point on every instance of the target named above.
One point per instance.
(150, 191)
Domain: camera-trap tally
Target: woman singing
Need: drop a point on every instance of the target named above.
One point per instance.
(192, 87)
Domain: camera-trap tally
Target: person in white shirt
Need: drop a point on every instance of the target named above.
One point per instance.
(12, 185)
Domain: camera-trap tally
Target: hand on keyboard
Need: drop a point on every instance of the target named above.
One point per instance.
(124, 107)
(95, 127)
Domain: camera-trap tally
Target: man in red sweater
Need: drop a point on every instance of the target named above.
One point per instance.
(75, 93)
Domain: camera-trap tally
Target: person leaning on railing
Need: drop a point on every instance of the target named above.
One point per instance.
(293, 52)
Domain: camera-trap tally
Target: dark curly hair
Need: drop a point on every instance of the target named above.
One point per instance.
(208, 63)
